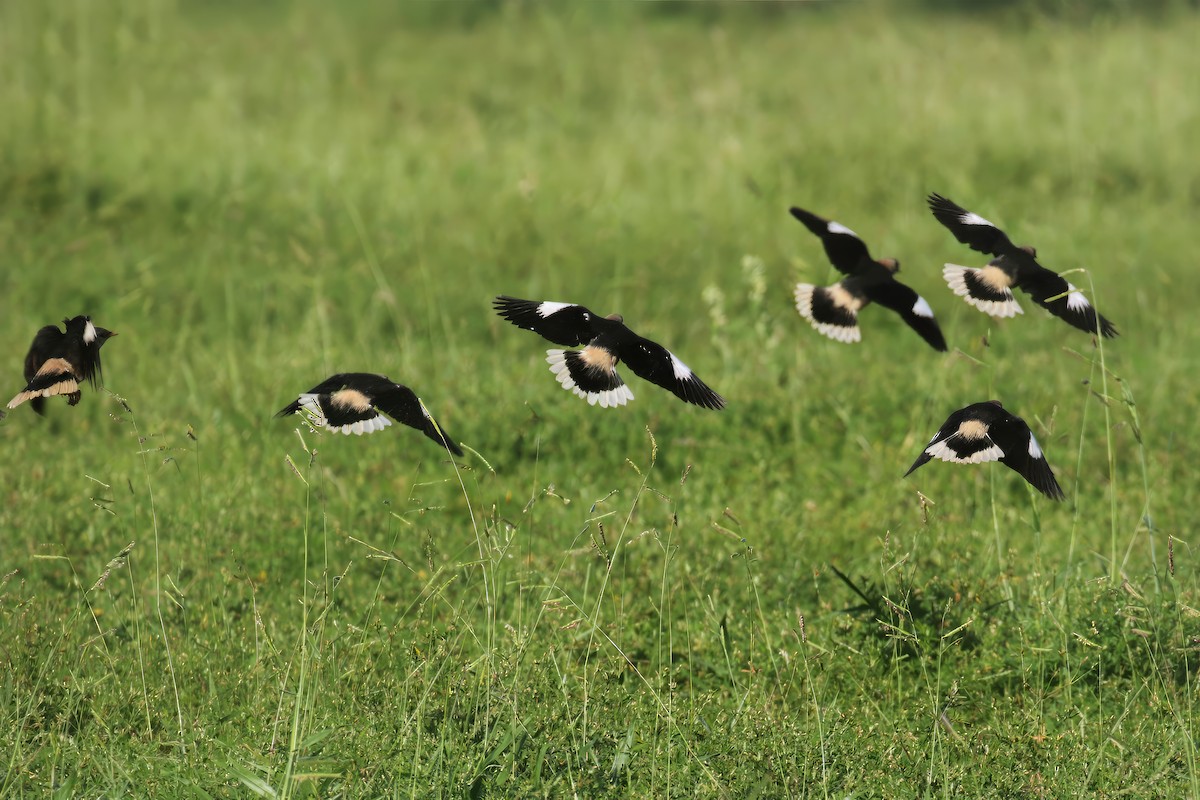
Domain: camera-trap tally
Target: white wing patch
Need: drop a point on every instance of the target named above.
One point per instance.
(312, 403)
(610, 398)
(1075, 299)
(547, 308)
(837, 227)
(842, 333)
(971, 218)
(89, 333)
(682, 371)
(921, 308)
(943, 451)
(955, 276)
(1034, 451)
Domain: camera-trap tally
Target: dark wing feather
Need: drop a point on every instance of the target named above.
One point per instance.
(1013, 436)
(969, 228)
(402, 404)
(906, 302)
(846, 251)
(1043, 284)
(949, 427)
(46, 344)
(93, 370)
(568, 325)
(656, 364)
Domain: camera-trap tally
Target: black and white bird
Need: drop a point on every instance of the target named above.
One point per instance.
(989, 288)
(984, 432)
(356, 402)
(833, 310)
(591, 372)
(59, 361)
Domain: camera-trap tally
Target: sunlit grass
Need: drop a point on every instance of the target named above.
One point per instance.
(659, 600)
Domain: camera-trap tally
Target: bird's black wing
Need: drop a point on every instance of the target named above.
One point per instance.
(1068, 302)
(46, 344)
(845, 249)
(562, 323)
(91, 368)
(948, 429)
(911, 307)
(658, 365)
(402, 404)
(970, 228)
(1023, 455)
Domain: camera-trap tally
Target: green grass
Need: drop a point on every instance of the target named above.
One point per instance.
(655, 601)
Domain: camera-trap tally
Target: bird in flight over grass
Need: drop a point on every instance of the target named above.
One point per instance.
(984, 432)
(591, 372)
(355, 402)
(990, 288)
(58, 362)
(833, 310)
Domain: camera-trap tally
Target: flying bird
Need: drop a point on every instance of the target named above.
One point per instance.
(990, 288)
(833, 310)
(59, 361)
(356, 402)
(984, 432)
(591, 372)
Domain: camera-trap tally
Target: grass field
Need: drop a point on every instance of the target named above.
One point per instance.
(659, 600)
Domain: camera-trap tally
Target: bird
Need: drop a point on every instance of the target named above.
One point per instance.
(591, 373)
(984, 432)
(990, 288)
(355, 402)
(59, 361)
(833, 310)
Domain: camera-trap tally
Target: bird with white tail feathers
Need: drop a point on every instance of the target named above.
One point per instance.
(833, 310)
(983, 432)
(58, 362)
(989, 288)
(591, 372)
(356, 402)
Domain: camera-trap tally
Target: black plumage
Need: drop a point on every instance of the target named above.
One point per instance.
(59, 361)
(984, 432)
(591, 372)
(833, 310)
(990, 288)
(356, 402)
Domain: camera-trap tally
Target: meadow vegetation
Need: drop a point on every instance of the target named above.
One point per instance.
(198, 600)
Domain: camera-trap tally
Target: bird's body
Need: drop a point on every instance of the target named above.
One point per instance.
(59, 361)
(990, 288)
(355, 402)
(591, 372)
(833, 310)
(984, 432)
